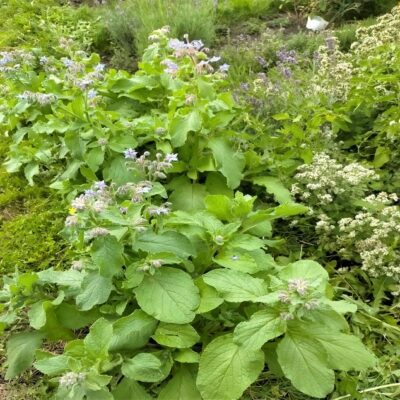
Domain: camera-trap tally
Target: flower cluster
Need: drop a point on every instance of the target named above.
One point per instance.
(71, 378)
(42, 99)
(386, 31)
(11, 61)
(325, 179)
(297, 296)
(334, 72)
(153, 169)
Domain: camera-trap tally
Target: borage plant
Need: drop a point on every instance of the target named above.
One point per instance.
(174, 304)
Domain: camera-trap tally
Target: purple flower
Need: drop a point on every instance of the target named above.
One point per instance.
(89, 194)
(67, 62)
(99, 67)
(172, 68)
(224, 68)
(176, 44)
(261, 61)
(101, 185)
(287, 57)
(91, 94)
(130, 154)
(197, 44)
(171, 157)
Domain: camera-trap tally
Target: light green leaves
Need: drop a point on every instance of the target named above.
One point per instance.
(304, 362)
(107, 254)
(181, 387)
(229, 162)
(263, 325)
(274, 186)
(309, 353)
(181, 126)
(226, 369)
(132, 332)
(235, 286)
(148, 367)
(168, 242)
(95, 290)
(169, 296)
(98, 340)
(21, 349)
(178, 336)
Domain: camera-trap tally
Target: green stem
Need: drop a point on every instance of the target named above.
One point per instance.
(373, 389)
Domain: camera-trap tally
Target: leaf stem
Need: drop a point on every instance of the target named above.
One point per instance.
(369, 390)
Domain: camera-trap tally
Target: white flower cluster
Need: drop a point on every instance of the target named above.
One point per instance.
(154, 169)
(71, 378)
(387, 30)
(325, 179)
(334, 71)
(41, 98)
(373, 236)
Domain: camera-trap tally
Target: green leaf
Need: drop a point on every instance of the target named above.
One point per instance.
(235, 286)
(95, 290)
(30, 171)
(188, 197)
(288, 210)
(129, 389)
(306, 269)
(181, 387)
(304, 361)
(274, 186)
(21, 349)
(107, 254)
(98, 340)
(169, 295)
(209, 298)
(226, 369)
(229, 162)
(148, 367)
(50, 364)
(187, 356)
(177, 336)
(169, 242)
(263, 326)
(133, 331)
(94, 158)
(219, 205)
(182, 125)
(345, 352)
(70, 317)
(238, 260)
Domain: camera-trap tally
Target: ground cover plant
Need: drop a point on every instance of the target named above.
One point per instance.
(226, 234)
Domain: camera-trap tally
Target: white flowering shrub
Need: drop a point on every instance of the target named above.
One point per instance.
(325, 181)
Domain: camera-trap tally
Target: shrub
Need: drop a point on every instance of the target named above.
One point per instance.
(173, 288)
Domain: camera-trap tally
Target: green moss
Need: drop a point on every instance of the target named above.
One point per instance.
(30, 220)
(30, 240)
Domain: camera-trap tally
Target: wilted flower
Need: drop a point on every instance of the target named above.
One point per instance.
(71, 220)
(77, 265)
(98, 231)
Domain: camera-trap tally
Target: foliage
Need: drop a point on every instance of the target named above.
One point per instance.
(42, 23)
(129, 24)
(174, 286)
